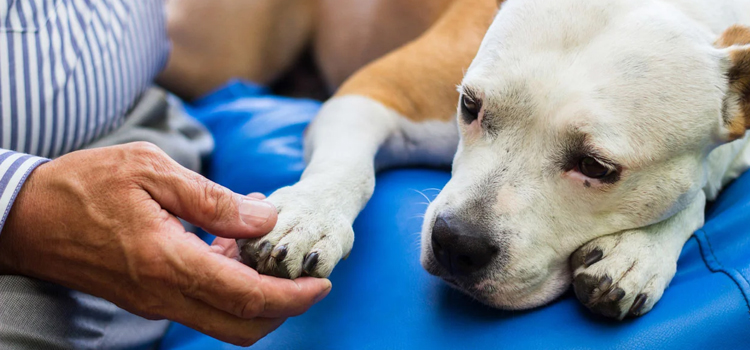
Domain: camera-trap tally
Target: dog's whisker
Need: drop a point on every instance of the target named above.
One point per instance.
(429, 201)
(418, 243)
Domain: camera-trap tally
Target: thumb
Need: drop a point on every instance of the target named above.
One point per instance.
(209, 205)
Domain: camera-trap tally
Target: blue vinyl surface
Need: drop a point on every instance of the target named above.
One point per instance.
(383, 299)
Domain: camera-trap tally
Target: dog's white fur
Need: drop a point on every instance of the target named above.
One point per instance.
(639, 80)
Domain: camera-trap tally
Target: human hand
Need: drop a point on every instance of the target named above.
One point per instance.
(104, 221)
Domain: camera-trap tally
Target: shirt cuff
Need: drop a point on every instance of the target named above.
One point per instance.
(14, 169)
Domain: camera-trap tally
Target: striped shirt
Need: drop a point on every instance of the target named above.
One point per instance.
(69, 72)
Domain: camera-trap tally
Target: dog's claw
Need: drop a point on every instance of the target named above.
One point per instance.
(637, 307)
(311, 260)
(249, 260)
(604, 283)
(265, 250)
(593, 257)
(279, 253)
(615, 295)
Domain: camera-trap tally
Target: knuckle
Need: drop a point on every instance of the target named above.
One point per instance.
(189, 287)
(144, 148)
(252, 305)
(213, 204)
(148, 156)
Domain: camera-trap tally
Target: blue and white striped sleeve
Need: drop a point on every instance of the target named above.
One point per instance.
(14, 169)
(70, 70)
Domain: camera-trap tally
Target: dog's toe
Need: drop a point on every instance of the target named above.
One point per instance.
(617, 276)
(599, 294)
(588, 288)
(327, 252)
(306, 241)
(609, 305)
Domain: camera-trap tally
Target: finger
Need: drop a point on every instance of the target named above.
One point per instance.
(228, 285)
(221, 325)
(257, 195)
(287, 298)
(227, 247)
(204, 203)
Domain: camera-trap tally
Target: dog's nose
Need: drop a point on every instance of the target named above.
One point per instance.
(460, 250)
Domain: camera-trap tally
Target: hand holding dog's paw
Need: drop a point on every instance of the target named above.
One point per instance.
(310, 237)
(621, 275)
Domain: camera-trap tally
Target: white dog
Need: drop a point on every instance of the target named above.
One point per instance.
(589, 136)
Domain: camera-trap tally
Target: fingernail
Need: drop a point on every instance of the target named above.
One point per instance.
(323, 294)
(257, 195)
(256, 212)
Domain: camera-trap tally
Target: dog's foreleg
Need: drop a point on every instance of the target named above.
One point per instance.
(398, 110)
(314, 230)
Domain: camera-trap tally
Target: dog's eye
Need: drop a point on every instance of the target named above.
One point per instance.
(593, 168)
(470, 108)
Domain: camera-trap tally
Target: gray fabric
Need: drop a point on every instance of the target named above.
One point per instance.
(36, 314)
(160, 119)
(41, 315)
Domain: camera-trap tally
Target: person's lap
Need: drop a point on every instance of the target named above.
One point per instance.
(43, 315)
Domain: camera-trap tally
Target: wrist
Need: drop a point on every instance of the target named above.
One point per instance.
(18, 230)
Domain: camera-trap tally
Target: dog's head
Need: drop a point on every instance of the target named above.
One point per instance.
(578, 119)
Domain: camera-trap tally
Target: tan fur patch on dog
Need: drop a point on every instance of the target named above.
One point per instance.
(419, 79)
(737, 119)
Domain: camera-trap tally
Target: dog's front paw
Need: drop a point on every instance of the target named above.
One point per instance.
(310, 236)
(621, 275)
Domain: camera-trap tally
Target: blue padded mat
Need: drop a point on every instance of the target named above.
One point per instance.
(383, 299)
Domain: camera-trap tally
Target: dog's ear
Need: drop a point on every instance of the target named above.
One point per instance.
(736, 107)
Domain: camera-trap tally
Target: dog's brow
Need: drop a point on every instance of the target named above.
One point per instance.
(577, 144)
(469, 92)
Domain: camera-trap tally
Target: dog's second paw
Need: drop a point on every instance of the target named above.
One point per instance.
(309, 239)
(621, 275)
